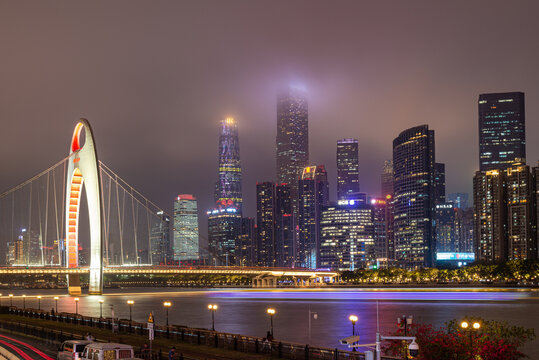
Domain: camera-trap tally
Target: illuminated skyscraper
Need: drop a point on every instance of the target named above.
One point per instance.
(313, 191)
(502, 137)
(285, 227)
(386, 179)
(446, 237)
(292, 142)
(228, 188)
(439, 183)
(246, 247)
(347, 168)
(265, 223)
(459, 199)
(413, 167)
(186, 240)
(224, 230)
(160, 240)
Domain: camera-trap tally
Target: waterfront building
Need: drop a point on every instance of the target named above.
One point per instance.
(347, 240)
(347, 168)
(185, 229)
(160, 247)
(285, 227)
(246, 247)
(464, 230)
(228, 191)
(489, 216)
(265, 223)
(502, 137)
(224, 228)
(460, 200)
(386, 180)
(292, 141)
(313, 189)
(446, 239)
(414, 191)
(521, 232)
(439, 183)
(381, 245)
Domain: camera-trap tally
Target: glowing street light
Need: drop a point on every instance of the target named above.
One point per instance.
(76, 306)
(39, 302)
(10, 299)
(56, 301)
(24, 301)
(471, 328)
(271, 312)
(213, 309)
(167, 304)
(130, 303)
(101, 301)
(353, 319)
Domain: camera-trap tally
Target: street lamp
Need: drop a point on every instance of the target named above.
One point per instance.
(76, 306)
(353, 319)
(312, 315)
(56, 301)
(271, 312)
(405, 321)
(471, 327)
(0, 299)
(101, 301)
(130, 303)
(212, 308)
(10, 299)
(24, 301)
(167, 304)
(39, 302)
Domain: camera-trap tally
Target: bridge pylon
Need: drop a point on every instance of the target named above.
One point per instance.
(83, 169)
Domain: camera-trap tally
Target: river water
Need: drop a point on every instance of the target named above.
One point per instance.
(243, 311)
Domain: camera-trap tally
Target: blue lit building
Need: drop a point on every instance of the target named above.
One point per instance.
(228, 188)
(347, 168)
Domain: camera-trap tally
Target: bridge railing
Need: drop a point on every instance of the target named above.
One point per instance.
(195, 336)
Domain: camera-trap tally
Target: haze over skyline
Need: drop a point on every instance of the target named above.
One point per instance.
(155, 79)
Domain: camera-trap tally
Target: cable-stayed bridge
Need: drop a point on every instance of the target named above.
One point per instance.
(47, 226)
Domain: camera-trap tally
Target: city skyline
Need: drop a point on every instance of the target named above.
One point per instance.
(344, 100)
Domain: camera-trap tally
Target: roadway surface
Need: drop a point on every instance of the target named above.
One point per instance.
(24, 348)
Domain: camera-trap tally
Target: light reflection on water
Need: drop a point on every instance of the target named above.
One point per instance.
(243, 311)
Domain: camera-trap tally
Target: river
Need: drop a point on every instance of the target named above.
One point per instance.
(243, 311)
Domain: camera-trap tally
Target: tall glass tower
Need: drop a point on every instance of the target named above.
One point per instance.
(347, 168)
(502, 139)
(186, 241)
(228, 188)
(292, 142)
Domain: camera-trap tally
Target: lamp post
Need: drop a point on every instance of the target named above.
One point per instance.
(76, 306)
(130, 303)
(405, 321)
(312, 315)
(101, 301)
(271, 312)
(39, 302)
(212, 308)
(56, 301)
(470, 328)
(24, 301)
(353, 319)
(167, 304)
(10, 299)
(0, 299)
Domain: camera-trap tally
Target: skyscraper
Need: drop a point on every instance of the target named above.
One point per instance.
(459, 199)
(313, 191)
(347, 168)
(445, 228)
(186, 241)
(413, 167)
(439, 183)
(265, 223)
(502, 139)
(160, 240)
(224, 229)
(228, 189)
(246, 247)
(386, 179)
(292, 142)
(464, 230)
(285, 227)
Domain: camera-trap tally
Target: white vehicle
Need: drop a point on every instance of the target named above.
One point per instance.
(71, 349)
(107, 351)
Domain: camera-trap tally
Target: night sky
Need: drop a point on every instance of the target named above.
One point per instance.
(155, 77)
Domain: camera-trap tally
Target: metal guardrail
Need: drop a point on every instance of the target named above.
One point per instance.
(178, 334)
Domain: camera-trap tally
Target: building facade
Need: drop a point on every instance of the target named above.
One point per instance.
(439, 183)
(246, 247)
(265, 223)
(185, 229)
(228, 192)
(292, 142)
(414, 194)
(347, 168)
(502, 139)
(285, 227)
(224, 229)
(446, 236)
(313, 189)
(459, 199)
(161, 248)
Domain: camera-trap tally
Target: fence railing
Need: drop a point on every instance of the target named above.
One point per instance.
(176, 334)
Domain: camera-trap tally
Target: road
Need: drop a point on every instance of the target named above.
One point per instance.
(25, 349)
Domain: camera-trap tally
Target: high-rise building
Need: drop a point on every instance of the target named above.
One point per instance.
(381, 244)
(347, 168)
(386, 179)
(285, 227)
(413, 167)
(464, 230)
(387, 193)
(347, 240)
(246, 248)
(186, 239)
(446, 237)
(460, 200)
(489, 216)
(521, 233)
(292, 142)
(160, 240)
(502, 139)
(439, 183)
(313, 189)
(228, 188)
(224, 229)
(265, 223)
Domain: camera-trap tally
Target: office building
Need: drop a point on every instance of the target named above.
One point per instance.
(464, 230)
(502, 139)
(460, 200)
(446, 237)
(439, 183)
(224, 229)
(347, 168)
(292, 141)
(228, 191)
(414, 191)
(347, 240)
(185, 230)
(265, 223)
(246, 247)
(160, 246)
(285, 227)
(386, 179)
(313, 189)
(380, 223)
